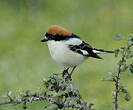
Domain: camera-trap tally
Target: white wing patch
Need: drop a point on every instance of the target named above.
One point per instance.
(73, 41)
(84, 52)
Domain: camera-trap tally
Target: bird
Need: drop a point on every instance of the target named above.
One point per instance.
(67, 49)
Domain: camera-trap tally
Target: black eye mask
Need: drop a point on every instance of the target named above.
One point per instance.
(60, 37)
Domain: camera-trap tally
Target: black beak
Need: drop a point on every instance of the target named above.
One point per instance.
(45, 39)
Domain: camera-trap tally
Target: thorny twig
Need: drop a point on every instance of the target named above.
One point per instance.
(58, 91)
(125, 54)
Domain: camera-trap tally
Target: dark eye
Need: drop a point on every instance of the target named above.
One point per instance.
(46, 34)
(49, 36)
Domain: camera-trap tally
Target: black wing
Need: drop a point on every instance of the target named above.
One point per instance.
(84, 49)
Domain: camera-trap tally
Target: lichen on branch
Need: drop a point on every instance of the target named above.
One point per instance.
(56, 90)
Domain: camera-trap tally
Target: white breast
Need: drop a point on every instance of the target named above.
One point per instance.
(62, 55)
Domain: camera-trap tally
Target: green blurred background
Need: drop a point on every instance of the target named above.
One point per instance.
(25, 61)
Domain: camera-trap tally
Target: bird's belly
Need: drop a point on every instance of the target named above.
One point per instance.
(66, 57)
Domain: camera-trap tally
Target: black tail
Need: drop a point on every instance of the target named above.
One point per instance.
(102, 51)
(95, 53)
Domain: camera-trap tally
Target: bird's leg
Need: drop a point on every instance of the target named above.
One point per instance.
(70, 74)
(65, 72)
(73, 70)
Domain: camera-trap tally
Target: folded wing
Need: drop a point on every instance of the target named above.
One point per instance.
(85, 50)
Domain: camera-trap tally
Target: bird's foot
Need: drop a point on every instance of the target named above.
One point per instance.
(66, 75)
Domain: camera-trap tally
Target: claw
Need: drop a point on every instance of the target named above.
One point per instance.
(65, 72)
